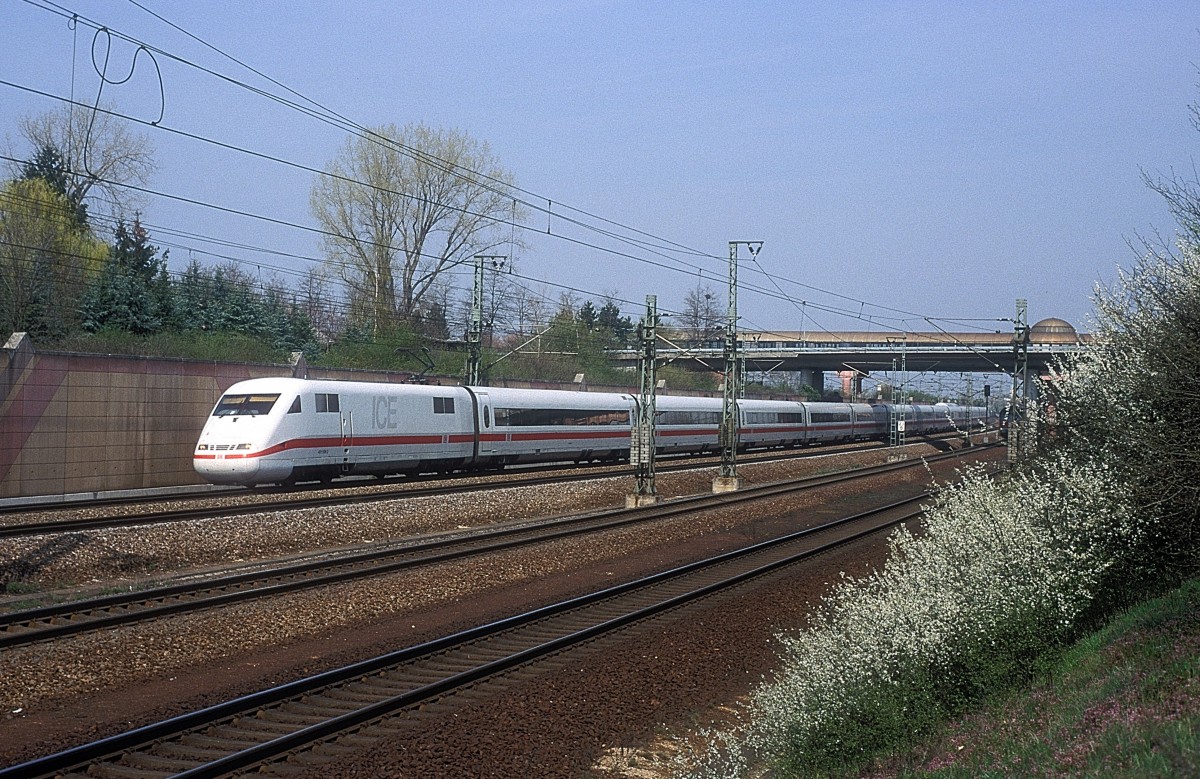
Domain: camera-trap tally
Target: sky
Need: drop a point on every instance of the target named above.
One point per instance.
(906, 165)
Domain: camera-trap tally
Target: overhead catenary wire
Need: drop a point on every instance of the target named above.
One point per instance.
(666, 311)
(534, 196)
(326, 115)
(315, 110)
(284, 270)
(296, 165)
(299, 297)
(319, 231)
(778, 294)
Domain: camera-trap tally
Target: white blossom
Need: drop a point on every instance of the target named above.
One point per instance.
(1013, 564)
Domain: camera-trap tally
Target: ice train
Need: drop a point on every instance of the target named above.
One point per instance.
(284, 430)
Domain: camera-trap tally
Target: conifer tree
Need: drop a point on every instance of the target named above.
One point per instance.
(133, 291)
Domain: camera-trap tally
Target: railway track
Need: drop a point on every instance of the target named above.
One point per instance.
(287, 722)
(65, 619)
(350, 494)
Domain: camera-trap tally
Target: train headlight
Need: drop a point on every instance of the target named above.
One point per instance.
(243, 446)
(202, 448)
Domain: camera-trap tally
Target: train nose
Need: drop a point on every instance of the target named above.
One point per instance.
(237, 468)
(222, 469)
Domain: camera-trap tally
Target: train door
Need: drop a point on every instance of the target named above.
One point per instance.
(329, 428)
(484, 443)
(347, 439)
(481, 423)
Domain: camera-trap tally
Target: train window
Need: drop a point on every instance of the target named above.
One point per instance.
(831, 416)
(239, 405)
(687, 418)
(443, 405)
(487, 417)
(295, 409)
(773, 417)
(327, 402)
(538, 417)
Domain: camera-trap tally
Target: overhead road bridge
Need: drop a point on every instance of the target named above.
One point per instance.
(864, 353)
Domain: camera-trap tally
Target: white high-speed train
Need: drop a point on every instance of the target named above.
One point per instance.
(282, 430)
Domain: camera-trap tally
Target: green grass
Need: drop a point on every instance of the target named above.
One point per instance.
(19, 588)
(1123, 702)
(191, 345)
(404, 352)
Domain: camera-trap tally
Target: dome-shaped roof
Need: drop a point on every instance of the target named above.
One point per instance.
(1054, 331)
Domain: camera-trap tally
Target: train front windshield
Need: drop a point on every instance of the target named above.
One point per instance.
(245, 405)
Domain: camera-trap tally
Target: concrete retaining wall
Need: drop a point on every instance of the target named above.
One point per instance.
(72, 423)
(83, 423)
(79, 423)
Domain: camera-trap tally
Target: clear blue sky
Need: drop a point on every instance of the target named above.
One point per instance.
(943, 158)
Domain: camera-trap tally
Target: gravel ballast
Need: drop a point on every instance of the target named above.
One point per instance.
(106, 680)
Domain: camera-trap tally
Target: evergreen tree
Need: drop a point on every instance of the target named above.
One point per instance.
(226, 299)
(621, 327)
(133, 291)
(433, 322)
(302, 336)
(133, 252)
(49, 166)
(587, 316)
(238, 309)
(190, 299)
(563, 333)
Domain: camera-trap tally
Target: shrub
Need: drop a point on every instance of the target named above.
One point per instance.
(1133, 403)
(1007, 572)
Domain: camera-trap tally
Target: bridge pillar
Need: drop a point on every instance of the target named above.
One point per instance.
(813, 377)
(851, 385)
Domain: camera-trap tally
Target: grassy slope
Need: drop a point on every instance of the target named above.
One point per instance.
(1124, 702)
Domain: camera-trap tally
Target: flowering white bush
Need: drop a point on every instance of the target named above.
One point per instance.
(1133, 403)
(1001, 574)
(1007, 570)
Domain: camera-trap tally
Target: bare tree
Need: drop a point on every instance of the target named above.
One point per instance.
(529, 308)
(400, 206)
(319, 304)
(521, 322)
(101, 153)
(509, 307)
(701, 317)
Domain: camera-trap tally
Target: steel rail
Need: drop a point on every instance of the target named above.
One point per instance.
(353, 493)
(237, 733)
(65, 619)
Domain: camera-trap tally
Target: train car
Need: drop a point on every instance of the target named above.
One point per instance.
(286, 430)
(870, 423)
(829, 423)
(517, 426)
(282, 430)
(952, 417)
(683, 424)
(920, 419)
(771, 423)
